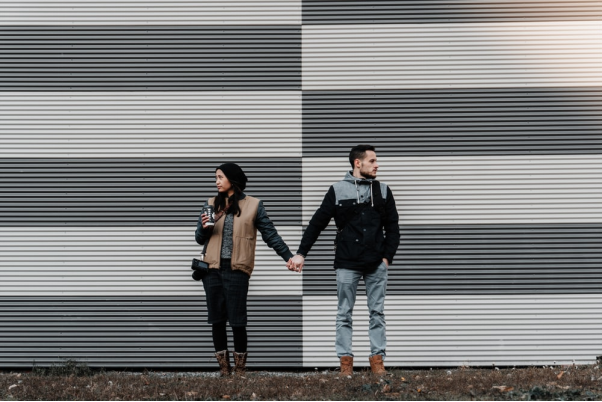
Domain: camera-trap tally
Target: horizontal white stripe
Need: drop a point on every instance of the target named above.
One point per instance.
(476, 189)
(387, 56)
(463, 330)
(107, 261)
(139, 12)
(182, 124)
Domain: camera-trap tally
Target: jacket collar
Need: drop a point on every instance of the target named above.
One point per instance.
(352, 179)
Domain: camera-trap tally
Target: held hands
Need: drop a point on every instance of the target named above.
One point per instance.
(296, 263)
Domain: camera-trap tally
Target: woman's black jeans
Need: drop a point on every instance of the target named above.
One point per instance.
(226, 293)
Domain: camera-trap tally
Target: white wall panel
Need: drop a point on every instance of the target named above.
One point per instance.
(173, 124)
(115, 261)
(476, 189)
(463, 330)
(466, 55)
(91, 12)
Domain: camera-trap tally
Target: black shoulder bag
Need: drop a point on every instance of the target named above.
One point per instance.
(199, 267)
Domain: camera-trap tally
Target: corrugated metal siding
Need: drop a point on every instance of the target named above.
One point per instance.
(191, 124)
(476, 189)
(433, 331)
(423, 122)
(118, 261)
(446, 11)
(137, 332)
(488, 259)
(143, 12)
(114, 116)
(150, 58)
(547, 54)
(135, 191)
(485, 118)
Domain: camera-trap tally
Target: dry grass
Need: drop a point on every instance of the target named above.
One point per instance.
(533, 383)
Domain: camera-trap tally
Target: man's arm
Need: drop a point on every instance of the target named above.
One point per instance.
(391, 227)
(316, 225)
(318, 222)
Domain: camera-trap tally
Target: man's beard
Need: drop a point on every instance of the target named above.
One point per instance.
(368, 174)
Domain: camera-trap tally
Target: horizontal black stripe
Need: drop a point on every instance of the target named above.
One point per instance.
(443, 11)
(137, 191)
(146, 332)
(150, 58)
(454, 121)
(479, 259)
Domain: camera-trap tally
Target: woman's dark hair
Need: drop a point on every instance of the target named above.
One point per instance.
(237, 178)
(359, 152)
(222, 200)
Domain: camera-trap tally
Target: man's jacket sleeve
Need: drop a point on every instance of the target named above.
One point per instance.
(318, 222)
(391, 227)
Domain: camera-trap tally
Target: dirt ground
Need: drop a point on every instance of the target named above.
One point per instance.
(463, 383)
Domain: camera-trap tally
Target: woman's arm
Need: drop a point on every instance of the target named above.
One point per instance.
(270, 235)
(201, 235)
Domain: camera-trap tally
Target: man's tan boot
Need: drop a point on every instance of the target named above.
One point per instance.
(377, 365)
(223, 358)
(346, 366)
(240, 363)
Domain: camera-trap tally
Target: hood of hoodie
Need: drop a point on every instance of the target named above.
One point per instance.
(351, 178)
(363, 188)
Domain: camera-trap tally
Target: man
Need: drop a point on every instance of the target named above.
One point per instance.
(362, 207)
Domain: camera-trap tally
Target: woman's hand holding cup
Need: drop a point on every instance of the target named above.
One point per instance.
(204, 220)
(207, 217)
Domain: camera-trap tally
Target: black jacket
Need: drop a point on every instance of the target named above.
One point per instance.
(370, 232)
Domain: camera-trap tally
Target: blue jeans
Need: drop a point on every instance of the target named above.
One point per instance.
(376, 288)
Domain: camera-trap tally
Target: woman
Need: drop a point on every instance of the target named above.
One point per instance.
(231, 258)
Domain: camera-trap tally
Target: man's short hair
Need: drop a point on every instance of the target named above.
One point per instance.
(359, 152)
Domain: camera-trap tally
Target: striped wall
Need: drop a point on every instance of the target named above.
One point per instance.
(125, 124)
(486, 119)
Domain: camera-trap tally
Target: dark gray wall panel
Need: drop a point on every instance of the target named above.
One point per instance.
(150, 58)
(137, 191)
(479, 259)
(140, 332)
(443, 11)
(454, 122)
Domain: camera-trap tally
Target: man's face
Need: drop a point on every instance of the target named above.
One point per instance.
(369, 166)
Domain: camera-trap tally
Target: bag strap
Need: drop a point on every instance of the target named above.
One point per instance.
(379, 203)
(204, 250)
(222, 213)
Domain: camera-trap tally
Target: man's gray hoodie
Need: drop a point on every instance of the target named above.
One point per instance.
(368, 231)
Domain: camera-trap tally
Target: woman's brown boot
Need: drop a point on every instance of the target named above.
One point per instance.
(223, 358)
(240, 363)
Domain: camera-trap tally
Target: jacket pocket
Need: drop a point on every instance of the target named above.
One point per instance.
(350, 249)
(243, 251)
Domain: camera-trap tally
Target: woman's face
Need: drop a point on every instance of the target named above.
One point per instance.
(222, 183)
